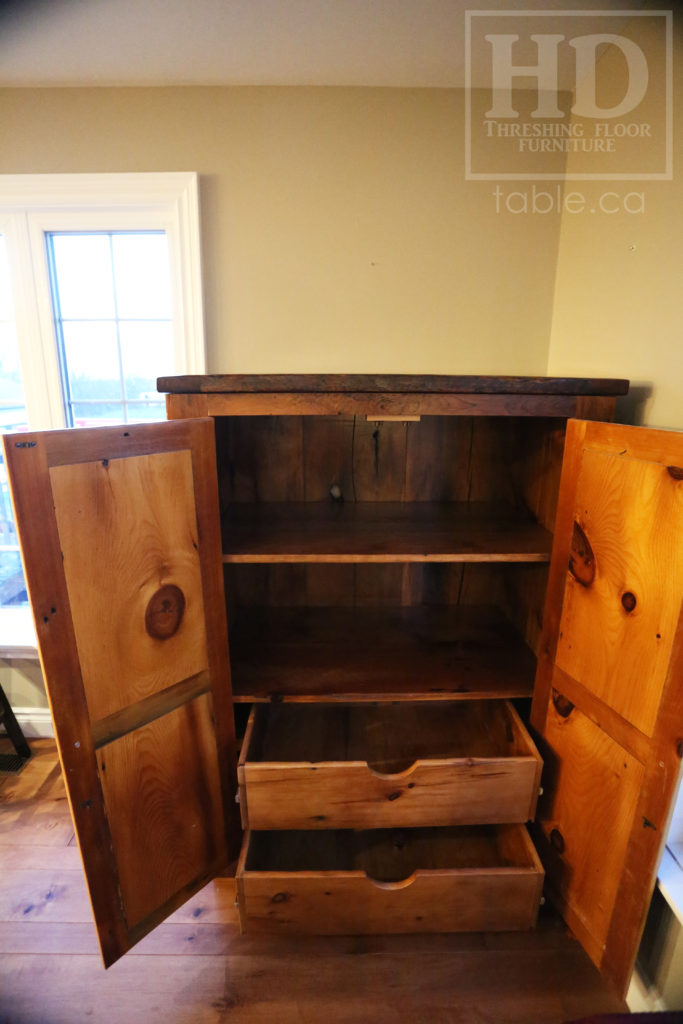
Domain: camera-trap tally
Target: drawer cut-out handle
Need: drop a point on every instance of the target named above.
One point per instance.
(403, 883)
(402, 773)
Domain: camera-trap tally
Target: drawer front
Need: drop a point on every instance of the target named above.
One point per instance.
(501, 897)
(501, 787)
(353, 796)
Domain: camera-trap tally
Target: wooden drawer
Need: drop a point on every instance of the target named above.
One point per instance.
(312, 766)
(481, 878)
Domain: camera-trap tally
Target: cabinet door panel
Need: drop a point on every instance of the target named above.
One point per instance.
(617, 629)
(117, 514)
(586, 816)
(164, 813)
(120, 538)
(608, 700)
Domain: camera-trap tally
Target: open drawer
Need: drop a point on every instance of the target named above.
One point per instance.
(481, 878)
(322, 766)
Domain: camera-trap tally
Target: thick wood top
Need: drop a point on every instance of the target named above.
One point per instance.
(332, 383)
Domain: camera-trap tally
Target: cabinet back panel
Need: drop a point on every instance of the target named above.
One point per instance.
(439, 458)
(364, 585)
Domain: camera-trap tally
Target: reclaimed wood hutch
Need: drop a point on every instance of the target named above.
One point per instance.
(379, 551)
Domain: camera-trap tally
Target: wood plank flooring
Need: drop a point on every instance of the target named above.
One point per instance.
(196, 968)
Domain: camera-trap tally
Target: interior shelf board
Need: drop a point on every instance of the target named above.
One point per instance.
(381, 532)
(358, 654)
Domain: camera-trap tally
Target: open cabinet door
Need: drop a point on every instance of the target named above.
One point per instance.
(608, 703)
(120, 537)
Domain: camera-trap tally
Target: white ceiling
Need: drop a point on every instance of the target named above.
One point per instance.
(397, 43)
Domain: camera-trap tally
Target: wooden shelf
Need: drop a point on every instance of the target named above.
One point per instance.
(381, 531)
(416, 653)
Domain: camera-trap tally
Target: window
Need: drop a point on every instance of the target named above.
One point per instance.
(112, 309)
(100, 293)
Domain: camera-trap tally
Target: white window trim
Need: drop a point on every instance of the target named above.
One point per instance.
(33, 204)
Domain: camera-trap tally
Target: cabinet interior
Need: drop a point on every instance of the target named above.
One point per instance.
(388, 737)
(386, 560)
(391, 855)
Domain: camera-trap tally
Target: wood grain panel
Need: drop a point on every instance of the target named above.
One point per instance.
(591, 788)
(438, 459)
(328, 453)
(165, 813)
(618, 631)
(379, 460)
(619, 486)
(30, 462)
(262, 459)
(114, 516)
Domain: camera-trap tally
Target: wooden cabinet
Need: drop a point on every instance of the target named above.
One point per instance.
(381, 560)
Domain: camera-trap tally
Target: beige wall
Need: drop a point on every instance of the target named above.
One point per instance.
(339, 233)
(618, 306)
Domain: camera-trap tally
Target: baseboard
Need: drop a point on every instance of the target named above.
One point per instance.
(35, 722)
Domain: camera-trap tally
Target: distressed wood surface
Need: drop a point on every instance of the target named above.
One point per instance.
(440, 458)
(197, 967)
(611, 663)
(164, 812)
(377, 407)
(322, 766)
(620, 630)
(114, 516)
(437, 653)
(66, 480)
(406, 881)
(427, 383)
(591, 788)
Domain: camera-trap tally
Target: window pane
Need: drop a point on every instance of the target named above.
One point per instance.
(147, 353)
(92, 360)
(82, 264)
(144, 412)
(13, 417)
(97, 414)
(141, 273)
(6, 311)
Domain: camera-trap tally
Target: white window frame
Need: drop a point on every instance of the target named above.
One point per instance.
(32, 205)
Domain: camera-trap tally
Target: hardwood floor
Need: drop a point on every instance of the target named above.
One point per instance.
(197, 969)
